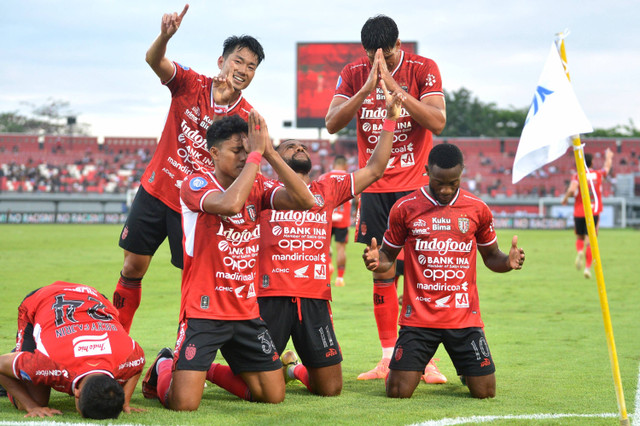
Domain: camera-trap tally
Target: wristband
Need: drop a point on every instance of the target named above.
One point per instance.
(220, 109)
(389, 125)
(254, 157)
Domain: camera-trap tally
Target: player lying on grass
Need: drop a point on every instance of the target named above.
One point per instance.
(440, 227)
(69, 339)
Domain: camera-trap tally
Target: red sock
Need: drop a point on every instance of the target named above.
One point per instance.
(588, 258)
(164, 380)
(385, 309)
(341, 271)
(579, 245)
(222, 376)
(126, 298)
(300, 372)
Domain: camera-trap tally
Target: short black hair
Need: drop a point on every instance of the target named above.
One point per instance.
(588, 158)
(223, 129)
(445, 156)
(340, 159)
(101, 397)
(379, 32)
(239, 42)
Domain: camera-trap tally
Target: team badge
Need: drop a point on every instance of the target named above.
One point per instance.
(398, 354)
(204, 302)
(125, 232)
(463, 224)
(190, 352)
(319, 200)
(251, 210)
(197, 183)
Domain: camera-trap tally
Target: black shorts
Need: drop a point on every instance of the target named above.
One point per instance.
(373, 215)
(340, 234)
(245, 345)
(467, 348)
(308, 322)
(150, 221)
(580, 224)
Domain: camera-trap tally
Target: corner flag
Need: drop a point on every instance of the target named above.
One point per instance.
(555, 115)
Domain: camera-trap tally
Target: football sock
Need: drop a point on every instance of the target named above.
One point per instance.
(221, 375)
(588, 258)
(126, 298)
(385, 310)
(300, 372)
(341, 271)
(164, 379)
(579, 245)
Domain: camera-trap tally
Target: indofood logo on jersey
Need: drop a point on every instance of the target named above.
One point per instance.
(444, 247)
(298, 217)
(91, 345)
(236, 237)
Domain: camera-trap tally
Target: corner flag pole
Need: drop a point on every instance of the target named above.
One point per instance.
(578, 152)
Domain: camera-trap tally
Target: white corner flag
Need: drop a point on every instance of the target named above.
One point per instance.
(555, 115)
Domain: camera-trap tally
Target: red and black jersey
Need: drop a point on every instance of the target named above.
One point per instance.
(76, 332)
(418, 76)
(440, 245)
(182, 149)
(594, 183)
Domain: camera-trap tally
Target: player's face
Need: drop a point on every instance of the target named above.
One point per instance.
(444, 183)
(296, 155)
(229, 157)
(391, 56)
(243, 64)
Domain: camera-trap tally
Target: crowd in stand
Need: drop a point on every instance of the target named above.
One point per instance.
(62, 168)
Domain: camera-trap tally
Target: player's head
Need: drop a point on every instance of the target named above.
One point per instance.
(444, 168)
(227, 143)
(588, 159)
(340, 162)
(381, 32)
(296, 155)
(241, 55)
(99, 396)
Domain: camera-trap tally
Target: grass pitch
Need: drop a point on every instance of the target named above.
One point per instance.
(544, 326)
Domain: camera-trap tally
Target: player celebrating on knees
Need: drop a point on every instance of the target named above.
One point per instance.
(69, 339)
(221, 211)
(295, 287)
(423, 113)
(440, 227)
(594, 182)
(196, 101)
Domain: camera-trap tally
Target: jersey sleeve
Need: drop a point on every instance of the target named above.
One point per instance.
(429, 79)
(180, 79)
(344, 86)
(194, 190)
(37, 368)
(485, 233)
(132, 366)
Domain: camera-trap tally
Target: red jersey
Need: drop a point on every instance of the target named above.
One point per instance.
(440, 243)
(420, 78)
(341, 216)
(594, 182)
(221, 252)
(182, 149)
(296, 243)
(76, 333)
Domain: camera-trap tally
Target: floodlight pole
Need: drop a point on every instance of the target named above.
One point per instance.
(578, 152)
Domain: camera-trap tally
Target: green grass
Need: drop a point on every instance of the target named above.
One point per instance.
(544, 325)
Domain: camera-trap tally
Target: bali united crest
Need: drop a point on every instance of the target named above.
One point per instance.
(463, 224)
(319, 200)
(190, 352)
(251, 210)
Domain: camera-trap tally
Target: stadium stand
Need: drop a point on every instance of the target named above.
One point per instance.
(49, 163)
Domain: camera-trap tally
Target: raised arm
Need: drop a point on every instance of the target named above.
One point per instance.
(377, 164)
(570, 192)
(608, 160)
(342, 110)
(155, 57)
(232, 200)
(498, 261)
(430, 112)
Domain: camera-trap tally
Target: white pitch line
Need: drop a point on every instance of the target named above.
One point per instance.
(484, 419)
(635, 417)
